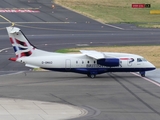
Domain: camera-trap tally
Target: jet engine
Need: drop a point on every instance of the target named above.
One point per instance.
(109, 62)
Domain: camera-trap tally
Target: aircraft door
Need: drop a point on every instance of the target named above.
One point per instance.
(68, 64)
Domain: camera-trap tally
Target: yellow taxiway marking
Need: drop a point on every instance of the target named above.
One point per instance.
(7, 20)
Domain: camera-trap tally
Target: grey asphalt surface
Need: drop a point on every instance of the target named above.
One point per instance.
(119, 96)
(108, 97)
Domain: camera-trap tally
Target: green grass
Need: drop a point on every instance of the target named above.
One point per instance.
(66, 51)
(115, 11)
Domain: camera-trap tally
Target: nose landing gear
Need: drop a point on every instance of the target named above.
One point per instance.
(142, 73)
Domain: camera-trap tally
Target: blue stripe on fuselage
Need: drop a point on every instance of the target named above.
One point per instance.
(99, 70)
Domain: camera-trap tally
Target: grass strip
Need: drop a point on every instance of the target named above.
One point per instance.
(116, 11)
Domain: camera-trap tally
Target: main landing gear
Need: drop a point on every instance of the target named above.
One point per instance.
(142, 73)
(91, 75)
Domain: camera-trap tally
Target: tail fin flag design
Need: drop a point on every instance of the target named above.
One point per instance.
(22, 47)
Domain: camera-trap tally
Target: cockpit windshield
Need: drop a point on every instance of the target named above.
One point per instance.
(141, 60)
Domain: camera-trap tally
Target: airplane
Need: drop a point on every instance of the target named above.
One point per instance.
(89, 62)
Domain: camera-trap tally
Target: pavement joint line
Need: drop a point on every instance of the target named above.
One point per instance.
(40, 107)
(41, 117)
(16, 108)
(8, 112)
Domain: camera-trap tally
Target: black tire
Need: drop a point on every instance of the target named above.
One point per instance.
(91, 75)
(142, 74)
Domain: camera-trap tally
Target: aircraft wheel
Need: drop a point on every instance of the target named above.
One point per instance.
(88, 75)
(142, 74)
(91, 75)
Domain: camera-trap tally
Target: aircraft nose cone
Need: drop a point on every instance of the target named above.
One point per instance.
(152, 66)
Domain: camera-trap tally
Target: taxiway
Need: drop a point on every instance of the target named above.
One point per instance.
(118, 96)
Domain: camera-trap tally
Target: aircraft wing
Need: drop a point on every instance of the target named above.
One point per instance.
(93, 54)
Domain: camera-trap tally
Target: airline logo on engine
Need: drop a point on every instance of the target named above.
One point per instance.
(19, 11)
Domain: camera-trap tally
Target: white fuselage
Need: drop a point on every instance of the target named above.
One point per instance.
(77, 62)
(89, 62)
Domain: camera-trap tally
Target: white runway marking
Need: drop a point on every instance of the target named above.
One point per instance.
(10, 73)
(5, 49)
(114, 26)
(19, 11)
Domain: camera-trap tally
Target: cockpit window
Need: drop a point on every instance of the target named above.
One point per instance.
(141, 60)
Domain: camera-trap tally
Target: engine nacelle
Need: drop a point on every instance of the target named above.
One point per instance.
(109, 62)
